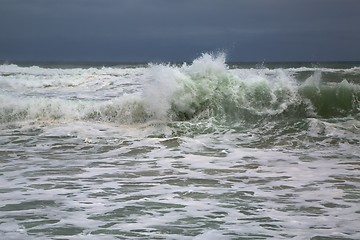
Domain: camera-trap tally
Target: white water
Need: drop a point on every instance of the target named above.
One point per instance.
(97, 155)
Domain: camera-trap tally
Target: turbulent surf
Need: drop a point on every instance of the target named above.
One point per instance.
(201, 150)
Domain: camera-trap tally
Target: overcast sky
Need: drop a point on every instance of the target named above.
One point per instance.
(179, 30)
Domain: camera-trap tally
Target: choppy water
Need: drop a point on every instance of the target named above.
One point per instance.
(199, 151)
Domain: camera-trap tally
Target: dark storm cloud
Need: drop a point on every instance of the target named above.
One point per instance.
(173, 30)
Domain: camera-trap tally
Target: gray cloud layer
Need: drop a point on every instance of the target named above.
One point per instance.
(176, 30)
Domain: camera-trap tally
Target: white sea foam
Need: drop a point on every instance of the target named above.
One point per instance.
(145, 153)
(236, 192)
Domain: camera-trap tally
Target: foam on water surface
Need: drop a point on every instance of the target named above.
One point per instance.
(199, 151)
(93, 180)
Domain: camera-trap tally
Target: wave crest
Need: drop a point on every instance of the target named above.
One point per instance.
(208, 88)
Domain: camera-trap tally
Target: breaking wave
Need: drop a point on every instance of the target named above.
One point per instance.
(207, 88)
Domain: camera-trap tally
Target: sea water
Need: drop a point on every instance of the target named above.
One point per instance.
(205, 150)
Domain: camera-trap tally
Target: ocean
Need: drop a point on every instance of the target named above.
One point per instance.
(200, 150)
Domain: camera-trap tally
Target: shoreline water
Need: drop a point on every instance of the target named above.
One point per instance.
(202, 150)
